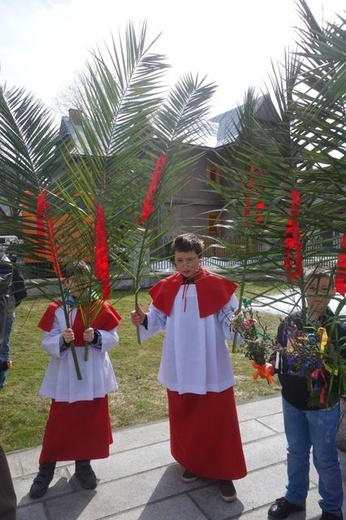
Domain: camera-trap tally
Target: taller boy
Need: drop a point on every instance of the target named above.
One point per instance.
(194, 307)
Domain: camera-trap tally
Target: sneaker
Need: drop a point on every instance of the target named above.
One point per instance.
(282, 508)
(227, 490)
(330, 516)
(188, 477)
(5, 365)
(42, 480)
(85, 474)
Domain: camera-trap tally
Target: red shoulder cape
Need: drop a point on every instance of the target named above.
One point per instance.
(213, 292)
(107, 317)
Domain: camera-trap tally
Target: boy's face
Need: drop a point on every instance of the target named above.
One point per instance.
(187, 263)
(318, 292)
(76, 286)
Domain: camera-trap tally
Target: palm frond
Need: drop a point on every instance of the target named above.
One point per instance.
(303, 150)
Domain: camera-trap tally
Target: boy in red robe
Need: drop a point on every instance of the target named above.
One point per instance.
(78, 426)
(194, 307)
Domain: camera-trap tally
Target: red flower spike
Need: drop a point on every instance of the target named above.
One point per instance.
(260, 206)
(247, 210)
(43, 217)
(260, 211)
(293, 259)
(148, 204)
(101, 253)
(340, 276)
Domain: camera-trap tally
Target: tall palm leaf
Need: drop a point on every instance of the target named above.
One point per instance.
(177, 124)
(29, 161)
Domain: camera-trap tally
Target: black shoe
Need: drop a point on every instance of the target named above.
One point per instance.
(188, 477)
(85, 474)
(227, 491)
(42, 480)
(330, 516)
(282, 508)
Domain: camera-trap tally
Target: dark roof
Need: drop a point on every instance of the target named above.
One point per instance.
(226, 124)
(220, 130)
(68, 127)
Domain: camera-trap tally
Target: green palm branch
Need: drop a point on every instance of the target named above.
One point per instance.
(126, 124)
(29, 161)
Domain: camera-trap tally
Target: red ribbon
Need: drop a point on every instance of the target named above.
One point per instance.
(43, 217)
(320, 372)
(148, 204)
(259, 207)
(101, 253)
(260, 211)
(340, 275)
(293, 258)
(247, 210)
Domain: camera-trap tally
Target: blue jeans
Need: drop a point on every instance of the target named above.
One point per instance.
(5, 348)
(317, 429)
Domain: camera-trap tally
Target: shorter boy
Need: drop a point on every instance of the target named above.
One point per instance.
(309, 426)
(78, 426)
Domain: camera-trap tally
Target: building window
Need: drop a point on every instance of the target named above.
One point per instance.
(212, 223)
(213, 174)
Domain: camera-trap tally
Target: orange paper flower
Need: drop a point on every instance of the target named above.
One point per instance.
(262, 371)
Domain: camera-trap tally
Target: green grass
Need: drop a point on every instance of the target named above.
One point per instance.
(140, 397)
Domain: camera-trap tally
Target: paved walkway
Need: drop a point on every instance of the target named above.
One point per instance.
(141, 481)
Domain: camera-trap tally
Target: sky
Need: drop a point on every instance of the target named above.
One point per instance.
(44, 43)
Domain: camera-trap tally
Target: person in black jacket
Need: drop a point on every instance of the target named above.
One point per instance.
(7, 305)
(311, 422)
(8, 499)
(12, 292)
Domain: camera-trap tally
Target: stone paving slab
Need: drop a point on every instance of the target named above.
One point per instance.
(274, 422)
(259, 408)
(171, 509)
(142, 435)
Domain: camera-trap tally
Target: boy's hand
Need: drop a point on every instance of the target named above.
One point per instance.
(137, 316)
(68, 335)
(88, 335)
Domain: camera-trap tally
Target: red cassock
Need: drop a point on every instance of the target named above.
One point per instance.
(205, 435)
(204, 429)
(77, 431)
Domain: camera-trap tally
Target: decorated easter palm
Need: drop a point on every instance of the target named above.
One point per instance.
(81, 198)
(289, 199)
(289, 206)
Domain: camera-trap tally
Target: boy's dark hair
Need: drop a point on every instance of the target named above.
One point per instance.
(188, 242)
(76, 269)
